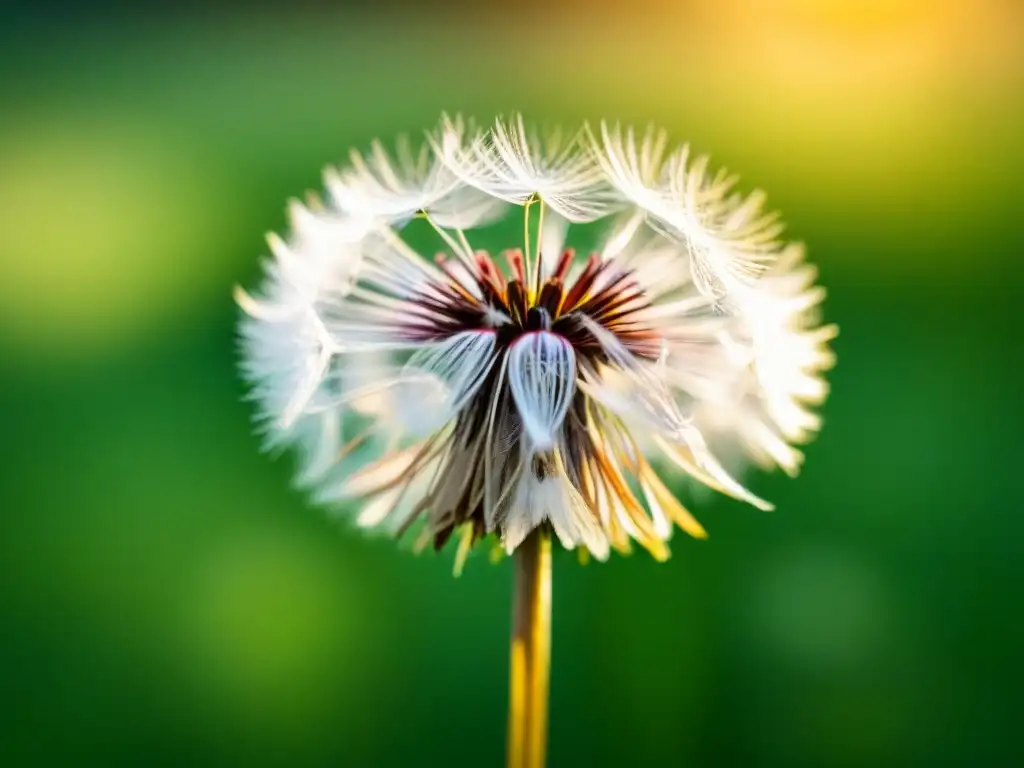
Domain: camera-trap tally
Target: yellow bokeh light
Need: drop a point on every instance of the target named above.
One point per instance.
(107, 228)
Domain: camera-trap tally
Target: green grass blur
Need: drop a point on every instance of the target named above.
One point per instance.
(167, 599)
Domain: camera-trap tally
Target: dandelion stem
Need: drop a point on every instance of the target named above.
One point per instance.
(527, 261)
(540, 235)
(530, 667)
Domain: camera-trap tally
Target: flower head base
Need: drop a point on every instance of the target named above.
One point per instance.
(494, 394)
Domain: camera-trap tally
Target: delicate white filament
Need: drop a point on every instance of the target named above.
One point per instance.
(516, 165)
(440, 379)
(553, 499)
(376, 188)
(728, 239)
(632, 388)
(542, 378)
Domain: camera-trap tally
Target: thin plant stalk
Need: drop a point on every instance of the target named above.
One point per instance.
(530, 663)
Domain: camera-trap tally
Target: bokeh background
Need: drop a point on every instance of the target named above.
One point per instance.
(167, 599)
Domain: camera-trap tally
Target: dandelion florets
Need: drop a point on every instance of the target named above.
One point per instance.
(464, 391)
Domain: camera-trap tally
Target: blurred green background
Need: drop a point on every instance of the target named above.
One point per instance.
(167, 599)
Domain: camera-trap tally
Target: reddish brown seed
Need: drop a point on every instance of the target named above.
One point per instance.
(514, 257)
(583, 282)
(564, 262)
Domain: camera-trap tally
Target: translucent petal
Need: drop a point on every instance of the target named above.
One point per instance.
(542, 378)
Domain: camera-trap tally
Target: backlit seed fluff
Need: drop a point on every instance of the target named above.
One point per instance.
(452, 390)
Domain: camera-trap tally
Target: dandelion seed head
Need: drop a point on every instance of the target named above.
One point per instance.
(495, 393)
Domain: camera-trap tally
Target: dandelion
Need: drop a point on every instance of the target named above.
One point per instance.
(533, 395)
